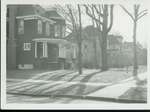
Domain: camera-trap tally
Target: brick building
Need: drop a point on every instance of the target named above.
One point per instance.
(35, 38)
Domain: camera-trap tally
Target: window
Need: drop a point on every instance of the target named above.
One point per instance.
(57, 30)
(41, 50)
(47, 29)
(62, 51)
(21, 27)
(27, 46)
(39, 26)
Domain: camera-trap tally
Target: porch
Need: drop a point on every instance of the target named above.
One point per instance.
(50, 53)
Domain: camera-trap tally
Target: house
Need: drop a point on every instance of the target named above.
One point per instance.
(37, 36)
(128, 50)
(114, 42)
(123, 54)
(91, 52)
(114, 53)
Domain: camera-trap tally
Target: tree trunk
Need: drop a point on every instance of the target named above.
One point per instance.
(135, 66)
(104, 52)
(95, 52)
(80, 43)
(104, 39)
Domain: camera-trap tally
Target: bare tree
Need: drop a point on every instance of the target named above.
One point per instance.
(102, 16)
(79, 41)
(136, 16)
(73, 24)
(70, 14)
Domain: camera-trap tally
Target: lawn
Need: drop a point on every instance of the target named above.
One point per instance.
(110, 76)
(23, 74)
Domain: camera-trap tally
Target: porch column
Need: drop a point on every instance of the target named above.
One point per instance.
(45, 50)
(35, 49)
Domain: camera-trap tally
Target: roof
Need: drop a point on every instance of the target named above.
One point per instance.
(36, 11)
(24, 10)
(29, 17)
(52, 14)
(130, 45)
(88, 33)
(115, 39)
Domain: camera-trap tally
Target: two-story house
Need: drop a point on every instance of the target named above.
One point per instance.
(39, 39)
(91, 52)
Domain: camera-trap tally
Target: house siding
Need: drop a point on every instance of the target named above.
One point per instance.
(11, 37)
(17, 56)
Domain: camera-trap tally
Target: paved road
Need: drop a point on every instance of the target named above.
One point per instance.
(45, 100)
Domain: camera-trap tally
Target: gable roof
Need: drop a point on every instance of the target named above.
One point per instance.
(52, 14)
(35, 11)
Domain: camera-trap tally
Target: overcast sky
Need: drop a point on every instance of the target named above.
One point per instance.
(123, 24)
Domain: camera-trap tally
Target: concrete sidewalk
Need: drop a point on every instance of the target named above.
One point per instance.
(114, 92)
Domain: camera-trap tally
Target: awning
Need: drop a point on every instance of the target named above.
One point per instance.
(52, 41)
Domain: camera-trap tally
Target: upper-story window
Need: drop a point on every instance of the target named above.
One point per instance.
(39, 26)
(21, 27)
(47, 29)
(57, 30)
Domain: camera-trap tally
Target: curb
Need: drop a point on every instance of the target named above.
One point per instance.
(117, 100)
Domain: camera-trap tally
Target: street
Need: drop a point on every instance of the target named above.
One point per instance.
(45, 100)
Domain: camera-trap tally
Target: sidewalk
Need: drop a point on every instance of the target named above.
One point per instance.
(117, 91)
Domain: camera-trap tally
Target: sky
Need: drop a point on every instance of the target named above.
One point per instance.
(123, 24)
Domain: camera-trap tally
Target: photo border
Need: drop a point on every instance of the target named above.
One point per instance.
(5, 105)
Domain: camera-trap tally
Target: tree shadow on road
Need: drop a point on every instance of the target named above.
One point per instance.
(57, 78)
(86, 78)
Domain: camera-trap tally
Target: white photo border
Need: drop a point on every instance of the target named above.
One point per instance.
(4, 105)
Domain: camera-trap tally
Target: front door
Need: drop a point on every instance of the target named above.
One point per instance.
(52, 52)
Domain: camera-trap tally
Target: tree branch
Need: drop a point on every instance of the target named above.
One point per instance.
(136, 10)
(127, 12)
(72, 18)
(141, 15)
(98, 11)
(142, 12)
(90, 14)
(69, 26)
